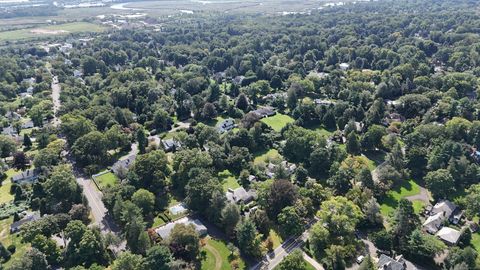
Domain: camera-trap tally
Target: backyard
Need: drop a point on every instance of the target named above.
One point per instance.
(265, 156)
(105, 180)
(228, 180)
(218, 256)
(391, 199)
(278, 121)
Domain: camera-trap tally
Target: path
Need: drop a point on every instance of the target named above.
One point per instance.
(56, 89)
(312, 262)
(180, 125)
(218, 257)
(423, 196)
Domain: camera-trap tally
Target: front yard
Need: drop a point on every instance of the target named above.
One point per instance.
(278, 121)
(217, 256)
(106, 180)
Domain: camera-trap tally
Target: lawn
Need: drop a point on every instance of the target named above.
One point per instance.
(5, 195)
(276, 239)
(50, 30)
(309, 266)
(278, 121)
(266, 156)
(8, 239)
(215, 122)
(228, 180)
(475, 242)
(390, 201)
(218, 250)
(321, 130)
(106, 180)
(418, 206)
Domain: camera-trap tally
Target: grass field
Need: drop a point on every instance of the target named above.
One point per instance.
(276, 239)
(475, 243)
(278, 121)
(390, 201)
(50, 30)
(218, 257)
(11, 239)
(228, 180)
(5, 195)
(266, 156)
(106, 180)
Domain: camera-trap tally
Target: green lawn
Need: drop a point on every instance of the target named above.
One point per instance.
(266, 156)
(418, 206)
(106, 180)
(215, 122)
(8, 239)
(475, 243)
(228, 180)
(390, 201)
(50, 30)
(321, 130)
(227, 261)
(276, 239)
(309, 266)
(278, 121)
(5, 195)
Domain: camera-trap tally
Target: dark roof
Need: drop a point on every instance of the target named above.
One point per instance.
(388, 263)
(124, 163)
(264, 111)
(28, 218)
(27, 175)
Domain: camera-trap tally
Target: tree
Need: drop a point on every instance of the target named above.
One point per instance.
(319, 238)
(242, 102)
(90, 149)
(353, 146)
(247, 237)
(48, 247)
(27, 142)
(128, 261)
(383, 240)
(440, 183)
(456, 256)
(7, 146)
(142, 140)
(473, 199)
(372, 139)
(329, 120)
(158, 258)
(75, 126)
(340, 216)
(32, 260)
(150, 171)
(372, 212)
(209, 111)
(184, 242)
(230, 217)
(294, 261)
(20, 161)
(405, 222)
(61, 190)
(145, 200)
(290, 221)
(282, 193)
(424, 245)
(367, 264)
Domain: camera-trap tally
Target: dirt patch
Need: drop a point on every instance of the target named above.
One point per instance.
(40, 31)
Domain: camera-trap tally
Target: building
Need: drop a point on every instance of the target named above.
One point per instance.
(165, 230)
(344, 66)
(77, 73)
(240, 195)
(123, 164)
(388, 263)
(449, 236)
(319, 101)
(26, 177)
(441, 212)
(226, 125)
(17, 225)
(171, 145)
(263, 112)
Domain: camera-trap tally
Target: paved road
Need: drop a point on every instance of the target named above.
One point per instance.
(56, 89)
(272, 259)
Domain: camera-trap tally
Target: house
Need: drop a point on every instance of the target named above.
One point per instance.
(388, 263)
(440, 212)
(77, 73)
(17, 225)
(275, 96)
(449, 236)
(226, 125)
(28, 124)
(123, 164)
(12, 115)
(165, 230)
(240, 195)
(263, 112)
(26, 177)
(238, 80)
(171, 145)
(344, 66)
(319, 101)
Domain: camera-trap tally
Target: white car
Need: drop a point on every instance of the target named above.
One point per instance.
(360, 259)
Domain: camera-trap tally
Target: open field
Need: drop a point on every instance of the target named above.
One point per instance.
(391, 199)
(278, 121)
(218, 257)
(51, 30)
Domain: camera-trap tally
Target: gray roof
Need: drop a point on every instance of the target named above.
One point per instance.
(29, 175)
(165, 230)
(226, 125)
(170, 144)
(264, 111)
(387, 263)
(449, 235)
(240, 195)
(28, 218)
(124, 163)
